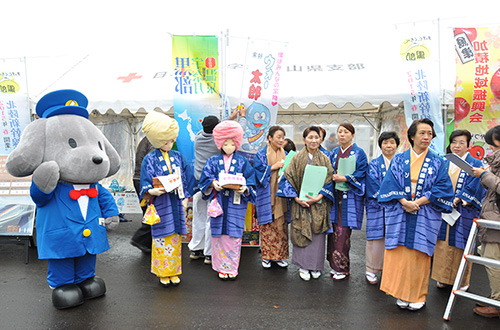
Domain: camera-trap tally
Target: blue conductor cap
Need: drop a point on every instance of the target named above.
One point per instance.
(62, 102)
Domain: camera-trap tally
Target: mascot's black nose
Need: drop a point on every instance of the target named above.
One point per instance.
(97, 159)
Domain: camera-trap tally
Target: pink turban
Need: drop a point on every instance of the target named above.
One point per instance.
(228, 129)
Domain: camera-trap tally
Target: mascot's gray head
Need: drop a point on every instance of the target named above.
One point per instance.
(65, 135)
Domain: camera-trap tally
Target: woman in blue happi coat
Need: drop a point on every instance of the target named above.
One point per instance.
(227, 228)
(415, 191)
(162, 131)
(347, 193)
(468, 197)
(375, 213)
(271, 210)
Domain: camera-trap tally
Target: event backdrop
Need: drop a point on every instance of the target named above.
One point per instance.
(195, 62)
(419, 52)
(477, 88)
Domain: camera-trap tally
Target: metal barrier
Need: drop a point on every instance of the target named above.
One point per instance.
(469, 257)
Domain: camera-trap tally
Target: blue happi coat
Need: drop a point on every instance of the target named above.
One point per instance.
(263, 188)
(353, 199)
(232, 220)
(468, 189)
(375, 213)
(168, 205)
(325, 151)
(416, 231)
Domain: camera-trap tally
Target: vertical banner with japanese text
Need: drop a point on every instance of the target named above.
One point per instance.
(260, 91)
(196, 71)
(477, 91)
(17, 210)
(419, 52)
(14, 107)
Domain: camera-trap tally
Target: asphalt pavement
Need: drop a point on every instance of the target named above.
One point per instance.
(259, 298)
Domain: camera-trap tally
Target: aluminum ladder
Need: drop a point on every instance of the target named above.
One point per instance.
(470, 257)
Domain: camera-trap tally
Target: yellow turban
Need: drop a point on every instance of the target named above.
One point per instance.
(159, 128)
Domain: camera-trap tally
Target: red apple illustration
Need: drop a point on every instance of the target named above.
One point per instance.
(470, 32)
(462, 108)
(495, 84)
(477, 151)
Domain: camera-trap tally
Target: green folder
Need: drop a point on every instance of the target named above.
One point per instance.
(346, 167)
(287, 161)
(313, 181)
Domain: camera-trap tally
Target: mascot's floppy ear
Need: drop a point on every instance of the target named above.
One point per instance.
(114, 158)
(29, 153)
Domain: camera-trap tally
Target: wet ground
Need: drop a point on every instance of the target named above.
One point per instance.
(259, 298)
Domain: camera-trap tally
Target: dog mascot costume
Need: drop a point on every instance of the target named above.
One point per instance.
(67, 156)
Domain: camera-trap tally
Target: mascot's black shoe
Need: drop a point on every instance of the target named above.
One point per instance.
(67, 296)
(93, 287)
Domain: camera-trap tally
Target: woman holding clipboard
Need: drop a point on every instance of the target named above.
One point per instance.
(347, 193)
(468, 197)
(309, 216)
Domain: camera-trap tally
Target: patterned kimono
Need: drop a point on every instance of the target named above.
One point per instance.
(227, 229)
(375, 215)
(347, 210)
(452, 239)
(272, 228)
(166, 249)
(410, 238)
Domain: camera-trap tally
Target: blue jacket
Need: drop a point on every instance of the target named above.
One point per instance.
(60, 224)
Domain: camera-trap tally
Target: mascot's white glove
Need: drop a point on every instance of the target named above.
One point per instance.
(156, 191)
(111, 223)
(217, 186)
(242, 189)
(46, 176)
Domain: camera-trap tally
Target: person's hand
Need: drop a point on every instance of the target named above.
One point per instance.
(156, 191)
(279, 164)
(478, 171)
(456, 201)
(409, 206)
(243, 110)
(312, 199)
(216, 185)
(242, 189)
(339, 178)
(301, 203)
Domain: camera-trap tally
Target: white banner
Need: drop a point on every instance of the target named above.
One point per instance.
(260, 91)
(419, 51)
(14, 106)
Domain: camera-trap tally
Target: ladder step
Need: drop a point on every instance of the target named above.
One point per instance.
(477, 298)
(483, 261)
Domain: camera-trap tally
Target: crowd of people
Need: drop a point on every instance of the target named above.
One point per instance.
(405, 196)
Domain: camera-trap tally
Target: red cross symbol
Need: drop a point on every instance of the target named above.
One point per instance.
(130, 77)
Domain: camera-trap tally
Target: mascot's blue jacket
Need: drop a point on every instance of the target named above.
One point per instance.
(62, 232)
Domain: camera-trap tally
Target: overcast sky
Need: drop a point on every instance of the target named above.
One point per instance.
(42, 28)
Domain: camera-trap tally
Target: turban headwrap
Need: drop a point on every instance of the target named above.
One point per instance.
(228, 129)
(159, 128)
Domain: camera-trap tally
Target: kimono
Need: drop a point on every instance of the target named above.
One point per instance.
(468, 189)
(375, 216)
(273, 232)
(416, 231)
(308, 225)
(325, 151)
(410, 238)
(166, 233)
(347, 210)
(353, 199)
(452, 239)
(227, 229)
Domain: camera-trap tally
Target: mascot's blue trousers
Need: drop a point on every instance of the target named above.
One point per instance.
(70, 270)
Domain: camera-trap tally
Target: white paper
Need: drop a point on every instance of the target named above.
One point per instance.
(452, 217)
(170, 182)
